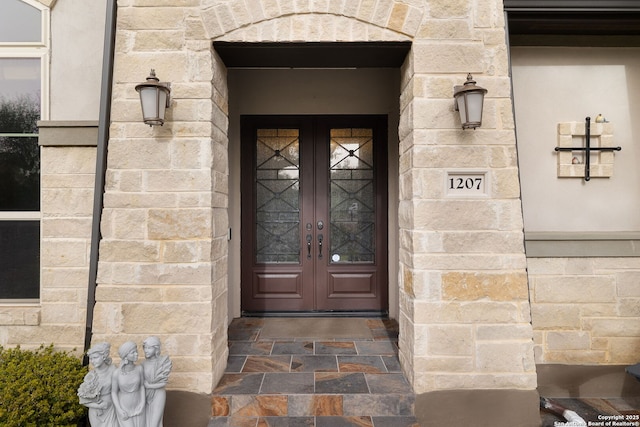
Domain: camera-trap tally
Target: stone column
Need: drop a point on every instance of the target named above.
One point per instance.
(466, 341)
(163, 253)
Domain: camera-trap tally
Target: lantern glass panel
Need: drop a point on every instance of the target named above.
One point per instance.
(149, 100)
(474, 104)
(162, 102)
(462, 107)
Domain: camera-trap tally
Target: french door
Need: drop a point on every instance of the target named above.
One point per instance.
(314, 213)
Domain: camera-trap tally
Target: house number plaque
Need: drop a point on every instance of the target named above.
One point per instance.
(468, 184)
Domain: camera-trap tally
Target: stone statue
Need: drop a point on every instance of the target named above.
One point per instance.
(156, 375)
(127, 388)
(95, 390)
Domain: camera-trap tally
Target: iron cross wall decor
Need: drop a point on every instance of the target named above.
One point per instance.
(587, 149)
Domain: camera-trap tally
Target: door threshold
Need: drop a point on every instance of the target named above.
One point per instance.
(372, 314)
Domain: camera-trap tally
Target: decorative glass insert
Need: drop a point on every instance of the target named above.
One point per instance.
(277, 193)
(20, 22)
(352, 199)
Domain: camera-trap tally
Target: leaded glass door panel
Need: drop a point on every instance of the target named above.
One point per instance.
(314, 205)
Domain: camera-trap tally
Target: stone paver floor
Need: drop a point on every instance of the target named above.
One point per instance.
(313, 382)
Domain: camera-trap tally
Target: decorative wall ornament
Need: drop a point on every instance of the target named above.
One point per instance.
(575, 160)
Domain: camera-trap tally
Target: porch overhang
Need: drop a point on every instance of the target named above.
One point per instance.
(573, 17)
(313, 54)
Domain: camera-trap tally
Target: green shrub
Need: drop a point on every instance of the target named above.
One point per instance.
(39, 388)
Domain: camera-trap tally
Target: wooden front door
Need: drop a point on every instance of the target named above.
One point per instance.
(314, 214)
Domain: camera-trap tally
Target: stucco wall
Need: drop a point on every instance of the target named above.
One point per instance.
(77, 35)
(581, 236)
(553, 85)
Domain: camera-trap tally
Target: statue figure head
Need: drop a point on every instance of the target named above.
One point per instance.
(151, 347)
(126, 350)
(99, 354)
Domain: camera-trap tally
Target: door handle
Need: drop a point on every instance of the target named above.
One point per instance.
(320, 246)
(309, 237)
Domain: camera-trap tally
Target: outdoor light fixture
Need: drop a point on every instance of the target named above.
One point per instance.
(154, 97)
(468, 102)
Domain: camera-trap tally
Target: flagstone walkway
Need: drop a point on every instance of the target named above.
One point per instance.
(313, 382)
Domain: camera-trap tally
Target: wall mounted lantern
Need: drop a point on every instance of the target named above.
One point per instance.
(154, 98)
(469, 99)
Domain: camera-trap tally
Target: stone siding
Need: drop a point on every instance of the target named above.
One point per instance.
(465, 319)
(163, 209)
(163, 253)
(465, 314)
(586, 311)
(67, 180)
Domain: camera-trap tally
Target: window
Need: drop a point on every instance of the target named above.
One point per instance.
(23, 51)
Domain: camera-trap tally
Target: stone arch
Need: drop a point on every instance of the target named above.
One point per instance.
(294, 21)
(313, 28)
(284, 21)
(181, 52)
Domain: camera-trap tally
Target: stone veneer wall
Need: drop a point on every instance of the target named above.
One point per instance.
(163, 254)
(67, 181)
(464, 310)
(586, 311)
(464, 303)
(465, 320)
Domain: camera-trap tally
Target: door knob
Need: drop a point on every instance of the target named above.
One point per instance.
(320, 225)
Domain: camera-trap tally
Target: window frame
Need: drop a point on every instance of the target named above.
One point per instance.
(37, 50)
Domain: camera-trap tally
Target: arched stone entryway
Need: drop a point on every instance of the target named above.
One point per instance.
(166, 220)
(343, 25)
(463, 305)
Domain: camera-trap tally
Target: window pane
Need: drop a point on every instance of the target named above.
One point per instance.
(19, 95)
(19, 174)
(19, 259)
(19, 113)
(19, 22)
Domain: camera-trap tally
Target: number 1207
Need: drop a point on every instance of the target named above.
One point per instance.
(465, 183)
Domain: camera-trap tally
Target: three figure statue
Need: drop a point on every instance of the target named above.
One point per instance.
(130, 395)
